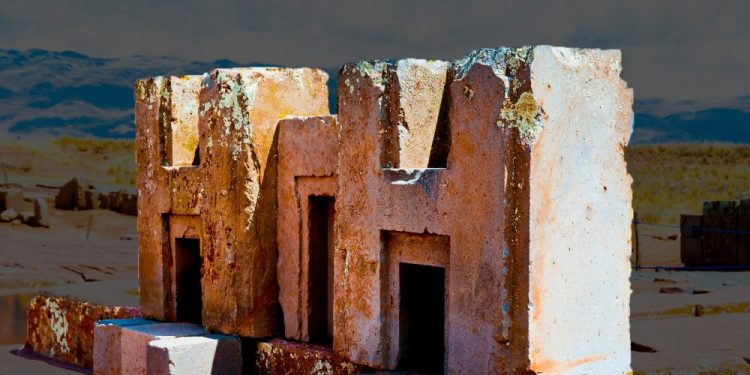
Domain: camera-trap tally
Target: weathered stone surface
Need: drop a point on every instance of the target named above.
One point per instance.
(13, 198)
(278, 356)
(63, 328)
(91, 199)
(585, 107)
(8, 215)
(308, 150)
(209, 354)
(41, 212)
(129, 204)
(233, 187)
(73, 194)
(135, 339)
(533, 186)
(107, 352)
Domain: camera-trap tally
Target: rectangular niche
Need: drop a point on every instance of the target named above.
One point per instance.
(415, 299)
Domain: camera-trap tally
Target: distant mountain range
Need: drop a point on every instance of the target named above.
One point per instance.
(67, 93)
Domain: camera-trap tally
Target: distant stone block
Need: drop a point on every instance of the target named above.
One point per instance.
(91, 199)
(8, 215)
(73, 194)
(41, 212)
(13, 198)
(209, 354)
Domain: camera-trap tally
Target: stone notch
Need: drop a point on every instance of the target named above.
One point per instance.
(533, 187)
(216, 190)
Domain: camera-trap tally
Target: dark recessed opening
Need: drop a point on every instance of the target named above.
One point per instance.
(320, 269)
(188, 269)
(421, 318)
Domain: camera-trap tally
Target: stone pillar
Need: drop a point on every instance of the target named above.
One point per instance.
(308, 151)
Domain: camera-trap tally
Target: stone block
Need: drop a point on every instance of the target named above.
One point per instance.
(63, 328)
(72, 194)
(209, 354)
(8, 215)
(14, 198)
(279, 356)
(129, 204)
(523, 184)
(238, 111)
(134, 342)
(104, 201)
(308, 150)
(107, 351)
(41, 212)
(91, 199)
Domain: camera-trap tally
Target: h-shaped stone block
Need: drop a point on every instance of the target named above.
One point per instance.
(206, 163)
(524, 185)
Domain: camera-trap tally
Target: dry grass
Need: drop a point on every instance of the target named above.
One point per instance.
(105, 161)
(668, 180)
(674, 179)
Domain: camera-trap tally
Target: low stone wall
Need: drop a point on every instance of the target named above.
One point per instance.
(63, 328)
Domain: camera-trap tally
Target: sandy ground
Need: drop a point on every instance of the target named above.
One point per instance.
(689, 332)
(103, 268)
(63, 261)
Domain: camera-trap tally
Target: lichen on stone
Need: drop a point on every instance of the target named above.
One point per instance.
(236, 97)
(491, 57)
(375, 70)
(524, 114)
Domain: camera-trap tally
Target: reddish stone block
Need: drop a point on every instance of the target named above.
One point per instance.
(227, 120)
(63, 328)
(458, 230)
(278, 356)
(308, 150)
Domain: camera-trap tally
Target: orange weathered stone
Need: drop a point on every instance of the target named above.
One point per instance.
(207, 164)
(523, 184)
(308, 150)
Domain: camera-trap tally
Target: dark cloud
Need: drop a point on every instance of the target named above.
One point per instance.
(679, 50)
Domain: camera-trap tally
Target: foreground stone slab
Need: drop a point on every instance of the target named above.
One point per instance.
(107, 351)
(134, 341)
(480, 246)
(63, 328)
(279, 356)
(210, 354)
(227, 120)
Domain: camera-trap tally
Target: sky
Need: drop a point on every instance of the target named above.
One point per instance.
(672, 50)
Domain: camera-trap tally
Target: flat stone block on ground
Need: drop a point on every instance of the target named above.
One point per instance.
(279, 356)
(135, 339)
(63, 328)
(209, 354)
(107, 334)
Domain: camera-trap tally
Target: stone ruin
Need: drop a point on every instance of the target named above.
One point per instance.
(454, 217)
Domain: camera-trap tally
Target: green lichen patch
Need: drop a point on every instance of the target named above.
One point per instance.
(524, 114)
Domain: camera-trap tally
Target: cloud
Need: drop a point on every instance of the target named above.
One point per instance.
(672, 49)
